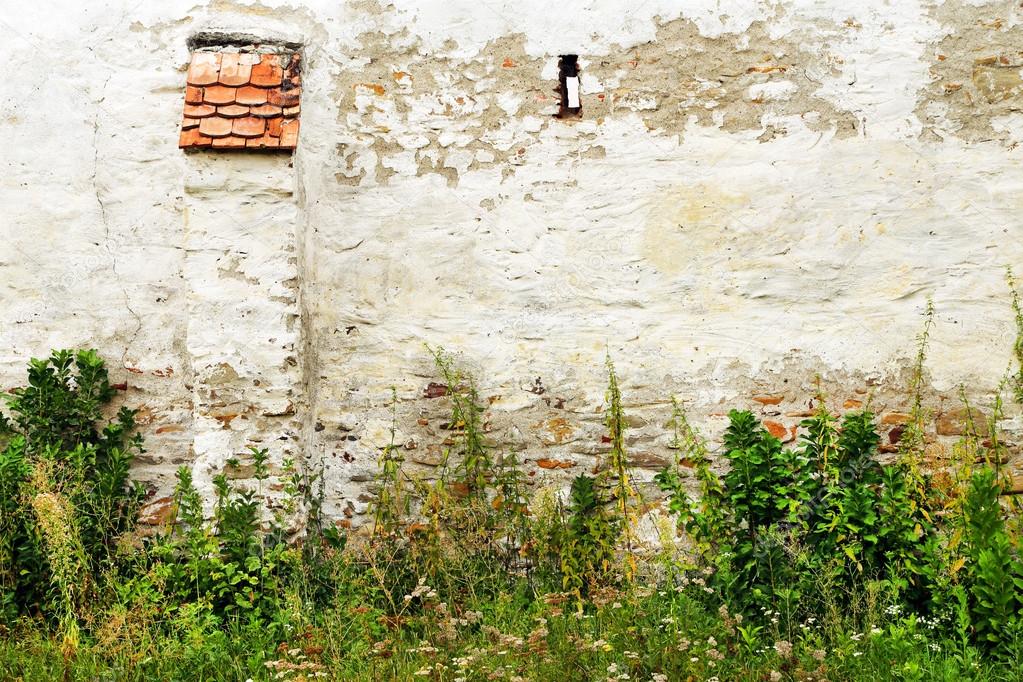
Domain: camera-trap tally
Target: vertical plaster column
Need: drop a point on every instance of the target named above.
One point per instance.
(244, 327)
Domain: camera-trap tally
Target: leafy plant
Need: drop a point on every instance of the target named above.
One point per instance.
(56, 427)
(228, 564)
(474, 464)
(391, 505)
(1016, 375)
(702, 518)
(780, 519)
(614, 475)
(994, 575)
(590, 540)
(810, 562)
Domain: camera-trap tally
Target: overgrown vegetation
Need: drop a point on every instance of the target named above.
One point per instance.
(822, 561)
(65, 493)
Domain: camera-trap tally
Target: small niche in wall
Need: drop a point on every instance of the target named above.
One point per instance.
(568, 79)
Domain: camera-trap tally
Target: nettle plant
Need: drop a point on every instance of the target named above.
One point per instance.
(596, 538)
(588, 539)
(993, 569)
(465, 525)
(471, 523)
(781, 519)
(803, 531)
(236, 564)
(65, 490)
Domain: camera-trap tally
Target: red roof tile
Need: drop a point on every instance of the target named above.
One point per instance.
(250, 94)
(249, 126)
(204, 68)
(282, 98)
(229, 141)
(232, 111)
(199, 110)
(242, 100)
(233, 72)
(218, 94)
(193, 94)
(289, 132)
(266, 111)
(267, 140)
(193, 138)
(268, 72)
(215, 126)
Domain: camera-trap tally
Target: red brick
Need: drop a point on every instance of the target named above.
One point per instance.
(554, 464)
(777, 430)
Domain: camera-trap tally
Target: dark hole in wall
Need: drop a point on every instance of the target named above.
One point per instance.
(213, 39)
(568, 86)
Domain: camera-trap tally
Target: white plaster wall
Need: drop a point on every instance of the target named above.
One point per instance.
(720, 226)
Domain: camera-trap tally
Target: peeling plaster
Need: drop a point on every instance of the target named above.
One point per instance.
(413, 112)
(976, 68)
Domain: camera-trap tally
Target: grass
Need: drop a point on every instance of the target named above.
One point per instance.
(643, 634)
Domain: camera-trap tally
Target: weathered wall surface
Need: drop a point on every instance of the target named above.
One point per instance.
(754, 194)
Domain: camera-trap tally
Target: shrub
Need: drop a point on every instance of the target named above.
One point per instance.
(59, 457)
(781, 520)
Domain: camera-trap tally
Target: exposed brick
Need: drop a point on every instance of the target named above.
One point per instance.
(1014, 486)
(554, 464)
(158, 512)
(954, 422)
(435, 390)
(895, 435)
(777, 430)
